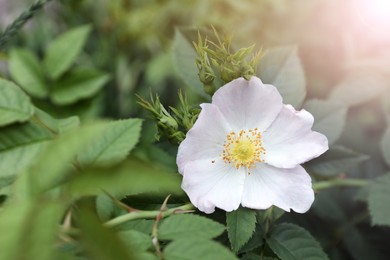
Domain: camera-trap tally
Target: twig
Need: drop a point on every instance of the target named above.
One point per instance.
(339, 182)
(155, 228)
(148, 214)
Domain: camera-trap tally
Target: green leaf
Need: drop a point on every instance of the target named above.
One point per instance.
(130, 177)
(282, 68)
(158, 68)
(78, 84)
(26, 70)
(99, 242)
(11, 222)
(359, 245)
(359, 88)
(19, 146)
(338, 159)
(147, 256)
(379, 201)
(87, 110)
(329, 117)
(256, 241)
(183, 226)
(195, 249)
(31, 225)
(59, 126)
(241, 224)
(63, 51)
(54, 163)
(20, 135)
(141, 225)
(105, 207)
(15, 106)
(113, 146)
(252, 256)
(5, 181)
(325, 205)
(155, 153)
(184, 56)
(136, 239)
(385, 145)
(289, 242)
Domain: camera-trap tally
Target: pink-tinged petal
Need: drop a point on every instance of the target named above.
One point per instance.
(289, 140)
(248, 104)
(284, 188)
(205, 139)
(210, 185)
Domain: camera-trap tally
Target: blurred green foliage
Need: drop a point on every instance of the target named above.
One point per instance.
(64, 171)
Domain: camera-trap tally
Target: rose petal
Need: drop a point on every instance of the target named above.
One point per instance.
(211, 185)
(284, 188)
(248, 104)
(205, 139)
(289, 140)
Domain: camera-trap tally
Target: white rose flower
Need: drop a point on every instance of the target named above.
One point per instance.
(246, 148)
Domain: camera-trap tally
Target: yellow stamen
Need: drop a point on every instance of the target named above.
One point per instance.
(244, 149)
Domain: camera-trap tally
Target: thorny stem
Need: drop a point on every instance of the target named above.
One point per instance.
(339, 182)
(155, 229)
(148, 214)
(186, 208)
(67, 225)
(153, 214)
(18, 23)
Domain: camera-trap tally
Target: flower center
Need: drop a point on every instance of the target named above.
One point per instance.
(243, 149)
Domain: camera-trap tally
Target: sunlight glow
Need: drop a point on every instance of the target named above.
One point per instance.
(374, 13)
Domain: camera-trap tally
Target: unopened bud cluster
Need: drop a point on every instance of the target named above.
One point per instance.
(217, 63)
(171, 125)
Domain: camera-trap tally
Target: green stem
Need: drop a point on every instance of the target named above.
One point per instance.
(339, 182)
(146, 214)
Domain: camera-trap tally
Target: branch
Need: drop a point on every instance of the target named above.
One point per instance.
(148, 214)
(339, 182)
